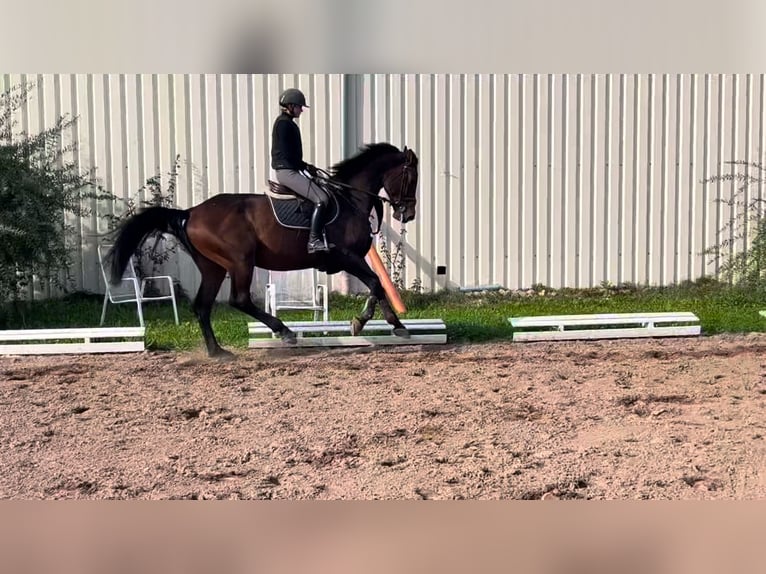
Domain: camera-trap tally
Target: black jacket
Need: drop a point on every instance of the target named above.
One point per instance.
(286, 144)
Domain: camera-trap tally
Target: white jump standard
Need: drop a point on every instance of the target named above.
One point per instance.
(338, 334)
(83, 340)
(605, 326)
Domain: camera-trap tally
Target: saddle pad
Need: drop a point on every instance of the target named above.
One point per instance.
(293, 211)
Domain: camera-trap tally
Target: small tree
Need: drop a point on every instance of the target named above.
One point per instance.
(746, 268)
(393, 257)
(38, 188)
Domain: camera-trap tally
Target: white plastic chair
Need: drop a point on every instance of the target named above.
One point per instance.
(297, 290)
(129, 290)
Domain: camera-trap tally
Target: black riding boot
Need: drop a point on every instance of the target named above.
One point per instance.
(316, 235)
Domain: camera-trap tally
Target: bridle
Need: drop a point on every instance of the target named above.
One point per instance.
(405, 178)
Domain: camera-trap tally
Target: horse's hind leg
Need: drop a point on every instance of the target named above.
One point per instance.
(212, 277)
(240, 299)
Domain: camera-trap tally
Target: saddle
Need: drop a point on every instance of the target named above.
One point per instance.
(294, 211)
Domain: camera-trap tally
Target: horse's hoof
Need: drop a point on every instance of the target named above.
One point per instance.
(402, 332)
(222, 355)
(356, 326)
(289, 337)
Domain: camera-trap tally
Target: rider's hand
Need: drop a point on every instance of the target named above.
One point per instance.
(312, 170)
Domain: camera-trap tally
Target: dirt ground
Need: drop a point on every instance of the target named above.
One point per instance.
(649, 419)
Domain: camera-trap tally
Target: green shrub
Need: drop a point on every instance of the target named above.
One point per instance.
(747, 227)
(38, 188)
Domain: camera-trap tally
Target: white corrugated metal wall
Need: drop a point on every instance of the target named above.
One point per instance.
(565, 180)
(132, 126)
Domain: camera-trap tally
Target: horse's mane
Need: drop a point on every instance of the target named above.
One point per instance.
(345, 169)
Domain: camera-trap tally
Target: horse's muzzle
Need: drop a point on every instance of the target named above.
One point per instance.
(404, 215)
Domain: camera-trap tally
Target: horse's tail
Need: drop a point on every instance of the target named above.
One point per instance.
(135, 230)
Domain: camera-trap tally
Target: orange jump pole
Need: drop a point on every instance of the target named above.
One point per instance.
(393, 295)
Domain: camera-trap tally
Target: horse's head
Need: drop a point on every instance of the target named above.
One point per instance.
(382, 164)
(401, 184)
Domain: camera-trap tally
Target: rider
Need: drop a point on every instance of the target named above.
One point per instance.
(287, 161)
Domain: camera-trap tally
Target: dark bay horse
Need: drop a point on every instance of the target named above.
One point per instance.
(236, 232)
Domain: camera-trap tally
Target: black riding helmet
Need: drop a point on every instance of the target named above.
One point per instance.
(293, 96)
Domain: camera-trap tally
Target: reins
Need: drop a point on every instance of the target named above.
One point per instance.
(399, 205)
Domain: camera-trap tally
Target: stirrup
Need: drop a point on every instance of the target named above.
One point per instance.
(314, 247)
(317, 244)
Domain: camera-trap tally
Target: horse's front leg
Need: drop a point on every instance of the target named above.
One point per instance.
(390, 316)
(359, 268)
(358, 323)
